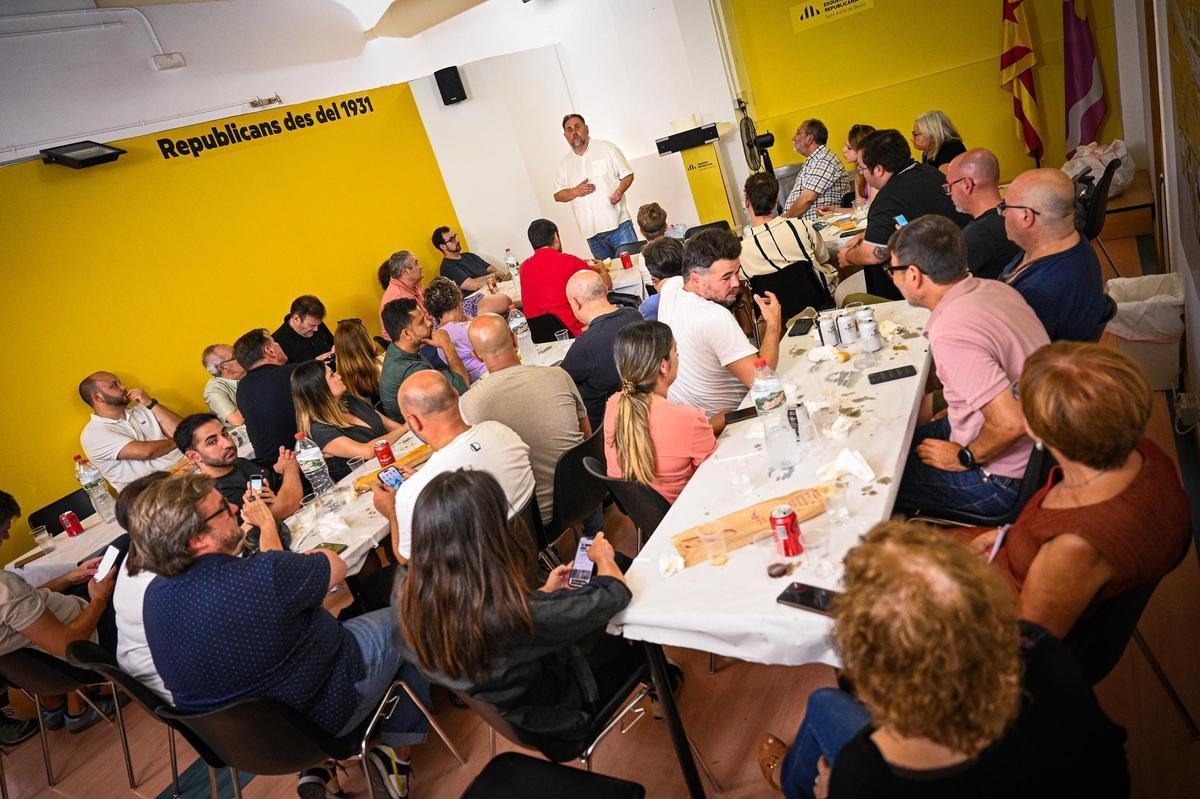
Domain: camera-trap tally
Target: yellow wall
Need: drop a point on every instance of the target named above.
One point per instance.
(886, 65)
(136, 266)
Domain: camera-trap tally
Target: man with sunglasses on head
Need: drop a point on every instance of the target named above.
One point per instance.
(468, 271)
(973, 183)
(972, 456)
(1058, 273)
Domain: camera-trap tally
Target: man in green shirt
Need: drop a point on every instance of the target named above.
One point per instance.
(410, 329)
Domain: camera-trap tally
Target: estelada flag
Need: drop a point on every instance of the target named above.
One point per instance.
(1085, 92)
(1016, 75)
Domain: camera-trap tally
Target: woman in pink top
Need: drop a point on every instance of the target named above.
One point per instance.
(647, 438)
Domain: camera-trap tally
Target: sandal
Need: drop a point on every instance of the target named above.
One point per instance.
(770, 752)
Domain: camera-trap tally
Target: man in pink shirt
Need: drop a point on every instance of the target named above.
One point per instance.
(404, 285)
(544, 276)
(972, 456)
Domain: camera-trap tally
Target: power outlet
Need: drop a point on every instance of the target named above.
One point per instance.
(1187, 410)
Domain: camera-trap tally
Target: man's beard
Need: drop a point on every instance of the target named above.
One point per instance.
(115, 402)
(220, 464)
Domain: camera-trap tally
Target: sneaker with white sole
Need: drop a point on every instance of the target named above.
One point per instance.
(14, 730)
(320, 782)
(389, 774)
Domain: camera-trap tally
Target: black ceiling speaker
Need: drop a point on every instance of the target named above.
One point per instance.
(450, 85)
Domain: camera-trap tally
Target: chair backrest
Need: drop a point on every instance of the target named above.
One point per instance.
(38, 673)
(576, 493)
(620, 298)
(1096, 203)
(1037, 472)
(1099, 640)
(542, 328)
(531, 515)
(848, 199)
(632, 247)
(720, 224)
(78, 501)
(796, 286)
(645, 506)
(516, 774)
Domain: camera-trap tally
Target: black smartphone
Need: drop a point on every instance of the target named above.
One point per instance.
(892, 374)
(332, 546)
(802, 326)
(741, 415)
(256, 483)
(391, 477)
(808, 597)
(582, 568)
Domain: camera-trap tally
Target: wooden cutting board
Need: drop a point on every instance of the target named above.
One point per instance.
(741, 527)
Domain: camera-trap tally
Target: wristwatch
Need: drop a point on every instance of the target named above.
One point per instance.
(966, 458)
(151, 404)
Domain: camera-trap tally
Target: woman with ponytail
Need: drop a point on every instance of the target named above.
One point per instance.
(647, 438)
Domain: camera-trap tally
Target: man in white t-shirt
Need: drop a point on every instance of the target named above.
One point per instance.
(716, 361)
(126, 441)
(430, 406)
(593, 178)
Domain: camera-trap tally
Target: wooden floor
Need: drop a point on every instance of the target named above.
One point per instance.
(724, 712)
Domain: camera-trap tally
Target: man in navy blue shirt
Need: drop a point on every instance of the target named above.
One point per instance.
(222, 628)
(1058, 273)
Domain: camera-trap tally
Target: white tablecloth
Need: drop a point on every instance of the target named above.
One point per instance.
(731, 610)
(835, 238)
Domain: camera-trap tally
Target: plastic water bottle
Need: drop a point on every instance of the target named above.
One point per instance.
(771, 403)
(93, 483)
(312, 464)
(525, 345)
(511, 263)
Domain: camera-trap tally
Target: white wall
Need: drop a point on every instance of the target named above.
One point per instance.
(1132, 74)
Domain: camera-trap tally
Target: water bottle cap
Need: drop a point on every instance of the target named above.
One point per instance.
(78, 458)
(760, 362)
(299, 436)
(512, 307)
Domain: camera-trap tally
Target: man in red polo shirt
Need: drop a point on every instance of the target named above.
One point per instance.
(544, 276)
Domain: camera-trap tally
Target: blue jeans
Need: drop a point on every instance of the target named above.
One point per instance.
(604, 245)
(930, 489)
(833, 717)
(385, 664)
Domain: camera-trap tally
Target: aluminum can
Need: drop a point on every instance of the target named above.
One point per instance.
(787, 531)
(626, 260)
(864, 314)
(847, 328)
(70, 523)
(383, 451)
(827, 329)
(872, 341)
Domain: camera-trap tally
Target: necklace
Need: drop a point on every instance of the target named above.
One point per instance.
(1082, 483)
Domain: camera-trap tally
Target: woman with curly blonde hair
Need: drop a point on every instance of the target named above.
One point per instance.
(952, 696)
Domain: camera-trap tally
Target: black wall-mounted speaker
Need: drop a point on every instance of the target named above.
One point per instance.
(450, 85)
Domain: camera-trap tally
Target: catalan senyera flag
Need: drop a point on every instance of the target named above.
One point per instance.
(1016, 76)
(1085, 91)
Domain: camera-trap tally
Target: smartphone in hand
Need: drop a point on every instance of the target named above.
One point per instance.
(106, 563)
(583, 568)
(391, 477)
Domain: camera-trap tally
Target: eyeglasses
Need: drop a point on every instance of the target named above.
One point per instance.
(453, 237)
(1003, 206)
(946, 187)
(226, 507)
(892, 270)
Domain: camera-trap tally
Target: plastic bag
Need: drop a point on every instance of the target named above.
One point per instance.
(1094, 157)
(1149, 308)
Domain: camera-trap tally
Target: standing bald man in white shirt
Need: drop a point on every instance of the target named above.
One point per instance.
(593, 178)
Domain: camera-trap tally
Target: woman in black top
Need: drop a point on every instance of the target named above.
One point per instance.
(954, 698)
(936, 137)
(476, 620)
(342, 425)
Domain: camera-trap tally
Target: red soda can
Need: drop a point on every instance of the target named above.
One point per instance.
(383, 451)
(70, 523)
(626, 261)
(787, 531)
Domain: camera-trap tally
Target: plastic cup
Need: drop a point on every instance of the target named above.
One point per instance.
(739, 477)
(712, 538)
(355, 463)
(816, 547)
(42, 537)
(836, 503)
(562, 335)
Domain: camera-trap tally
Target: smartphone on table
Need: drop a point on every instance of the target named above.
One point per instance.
(583, 568)
(332, 546)
(741, 415)
(808, 597)
(391, 477)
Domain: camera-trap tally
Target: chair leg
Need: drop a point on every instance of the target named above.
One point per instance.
(87, 700)
(432, 722)
(712, 663)
(174, 762)
(212, 784)
(124, 737)
(3, 777)
(1165, 682)
(1111, 262)
(37, 703)
(237, 783)
(704, 765)
(491, 742)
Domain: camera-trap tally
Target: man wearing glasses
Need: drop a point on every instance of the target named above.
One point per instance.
(972, 456)
(468, 271)
(220, 392)
(1058, 273)
(972, 181)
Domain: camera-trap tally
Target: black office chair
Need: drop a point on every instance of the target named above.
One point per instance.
(293, 743)
(797, 286)
(1108, 317)
(531, 516)
(78, 501)
(542, 328)
(87, 655)
(1099, 641)
(621, 299)
(515, 774)
(848, 199)
(645, 506)
(1037, 472)
(633, 248)
(1092, 208)
(381, 342)
(576, 493)
(37, 674)
(720, 224)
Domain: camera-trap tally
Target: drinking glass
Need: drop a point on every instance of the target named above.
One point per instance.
(563, 335)
(354, 463)
(739, 477)
(768, 551)
(712, 538)
(816, 546)
(836, 503)
(42, 537)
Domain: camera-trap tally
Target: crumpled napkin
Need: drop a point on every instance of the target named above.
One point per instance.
(847, 462)
(669, 563)
(841, 427)
(887, 327)
(330, 526)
